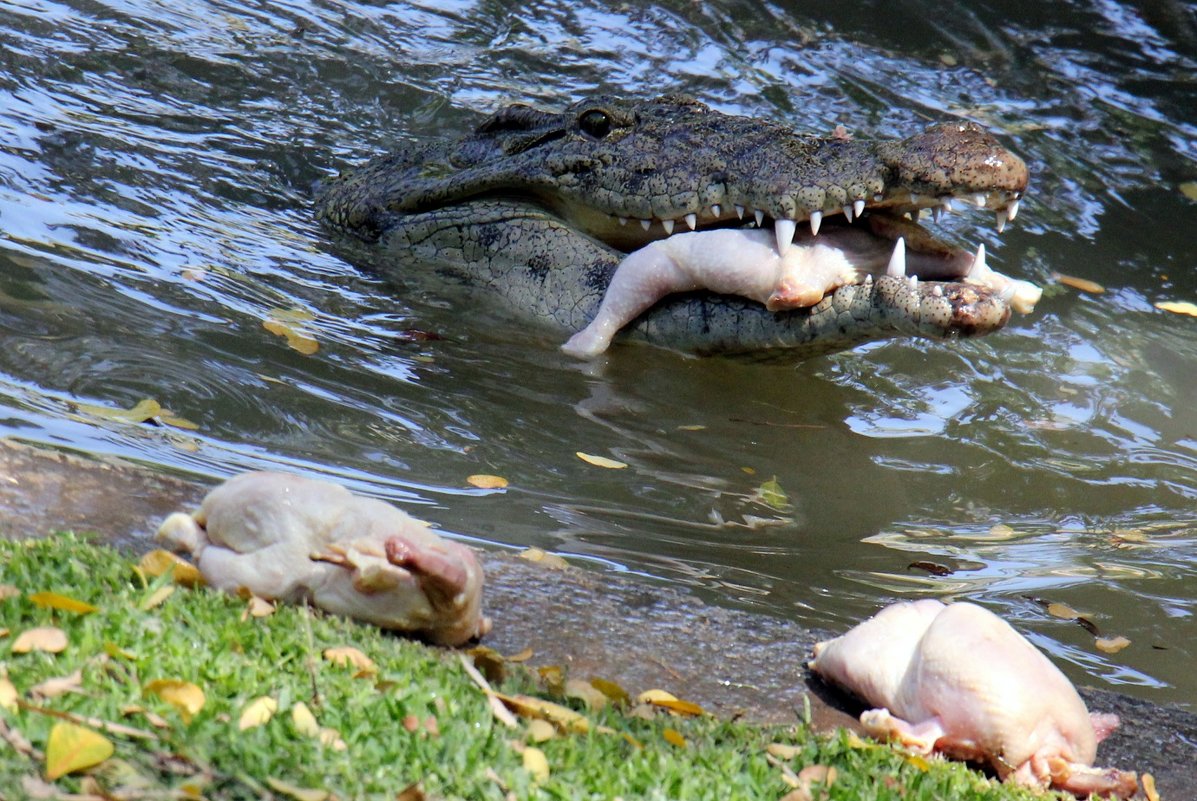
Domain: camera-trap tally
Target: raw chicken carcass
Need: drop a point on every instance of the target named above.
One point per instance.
(959, 680)
(291, 538)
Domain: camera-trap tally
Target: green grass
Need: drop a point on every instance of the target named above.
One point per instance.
(199, 636)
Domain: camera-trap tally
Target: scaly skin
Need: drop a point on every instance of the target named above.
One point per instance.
(539, 208)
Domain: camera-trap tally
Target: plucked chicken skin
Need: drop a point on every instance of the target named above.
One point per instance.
(958, 680)
(291, 538)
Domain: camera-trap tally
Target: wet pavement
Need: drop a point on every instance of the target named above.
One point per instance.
(636, 633)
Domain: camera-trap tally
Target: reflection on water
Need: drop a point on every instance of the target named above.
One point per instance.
(155, 168)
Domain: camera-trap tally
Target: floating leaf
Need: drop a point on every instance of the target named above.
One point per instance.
(674, 737)
(157, 562)
(1178, 307)
(543, 557)
(52, 688)
(1189, 189)
(8, 695)
(536, 763)
(143, 410)
(486, 481)
(298, 793)
(1063, 611)
(348, 656)
(184, 696)
(1111, 645)
(257, 712)
(52, 600)
(71, 748)
(285, 323)
(44, 638)
(171, 419)
(1083, 284)
(600, 461)
(772, 495)
(934, 568)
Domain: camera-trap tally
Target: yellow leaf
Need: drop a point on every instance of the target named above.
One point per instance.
(522, 656)
(485, 481)
(587, 693)
(157, 597)
(772, 495)
(257, 712)
(600, 461)
(172, 419)
(783, 751)
(1063, 611)
(347, 655)
(655, 696)
(258, 607)
(543, 557)
(52, 600)
(304, 721)
(297, 340)
(610, 689)
(188, 698)
(541, 730)
(116, 652)
(1189, 189)
(331, 738)
(560, 716)
(157, 562)
(71, 748)
(826, 774)
(45, 638)
(1083, 284)
(1149, 784)
(1111, 645)
(536, 763)
(145, 409)
(298, 793)
(674, 737)
(1178, 307)
(680, 707)
(8, 695)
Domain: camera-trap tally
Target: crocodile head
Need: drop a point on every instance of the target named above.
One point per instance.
(629, 172)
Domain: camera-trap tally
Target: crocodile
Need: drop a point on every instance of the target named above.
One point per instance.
(537, 209)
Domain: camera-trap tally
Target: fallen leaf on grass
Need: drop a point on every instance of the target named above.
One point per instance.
(674, 737)
(536, 763)
(298, 793)
(541, 730)
(783, 750)
(257, 712)
(8, 591)
(52, 688)
(600, 461)
(590, 696)
(184, 696)
(1178, 307)
(53, 600)
(348, 656)
(44, 638)
(522, 656)
(154, 719)
(560, 716)
(1111, 645)
(485, 481)
(8, 695)
(157, 597)
(257, 607)
(303, 720)
(157, 562)
(610, 689)
(71, 748)
(668, 701)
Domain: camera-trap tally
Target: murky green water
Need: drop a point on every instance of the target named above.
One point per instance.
(155, 166)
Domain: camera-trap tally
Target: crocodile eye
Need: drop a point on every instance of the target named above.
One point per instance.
(595, 123)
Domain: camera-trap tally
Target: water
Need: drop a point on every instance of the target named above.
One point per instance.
(156, 162)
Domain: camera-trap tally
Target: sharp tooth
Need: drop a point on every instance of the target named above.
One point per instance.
(999, 217)
(937, 290)
(739, 211)
(979, 267)
(877, 198)
(913, 283)
(645, 224)
(816, 219)
(623, 220)
(946, 204)
(692, 220)
(784, 231)
(936, 213)
(1012, 210)
(848, 213)
(715, 210)
(858, 207)
(868, 279)
(980, 200)
(897, 260)
(668, 225)
(760, 217)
